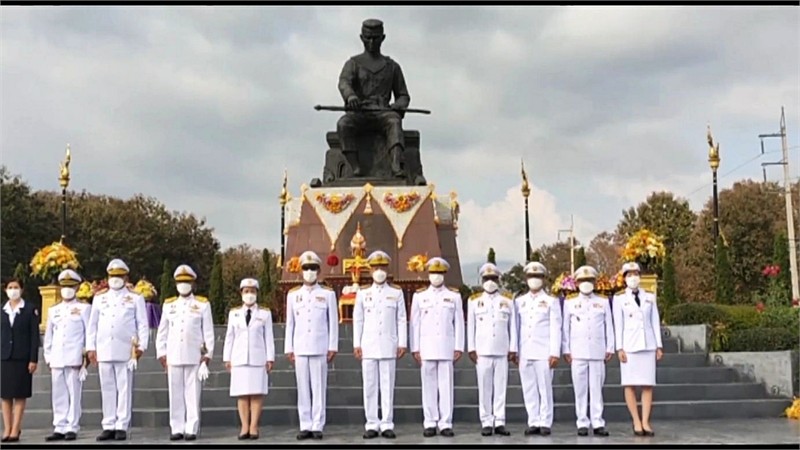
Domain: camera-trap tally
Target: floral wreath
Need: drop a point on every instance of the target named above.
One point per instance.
(335, 203)
(402, 202)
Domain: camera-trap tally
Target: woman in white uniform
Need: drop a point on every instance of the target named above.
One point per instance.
(637, 330)
(249, 354)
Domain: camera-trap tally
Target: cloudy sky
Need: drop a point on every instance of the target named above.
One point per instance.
(203, 107)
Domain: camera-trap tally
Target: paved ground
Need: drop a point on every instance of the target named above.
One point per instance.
(755, 431)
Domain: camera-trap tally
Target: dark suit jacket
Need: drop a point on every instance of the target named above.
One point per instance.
(20, 342)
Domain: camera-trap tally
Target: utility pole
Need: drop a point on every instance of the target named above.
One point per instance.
(787, 186)
(571, 231)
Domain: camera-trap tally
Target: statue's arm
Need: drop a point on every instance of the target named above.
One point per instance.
(346, 79)
(399, 89)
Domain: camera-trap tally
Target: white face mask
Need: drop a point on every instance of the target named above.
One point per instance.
(249, 299)
(310, 276)
(14, 293)
(436, 279)
(116, 283)
(67, 293)
(632, 281)
(379, 276)
(184, 288)
(586, 287)
(490, 286)
(535, 283)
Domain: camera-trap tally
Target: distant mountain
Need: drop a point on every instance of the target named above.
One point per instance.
(470, 271)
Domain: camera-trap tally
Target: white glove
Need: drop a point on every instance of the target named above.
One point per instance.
(83, 374)
(202, 372)
(132, 364)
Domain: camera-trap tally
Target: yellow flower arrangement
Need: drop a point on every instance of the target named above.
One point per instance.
(417, 263)
(293, 266)
(793, 412)
(645, 248)
(51, 259)
(145, 289)
(85, 291)
(402, 202)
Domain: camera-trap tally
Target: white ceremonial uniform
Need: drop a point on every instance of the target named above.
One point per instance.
(637, 331)
(312, 330)
(437, 332)
(380, 328)
(249, 347)
(492, 334)
(588, 334)
(186, 327)
(64, 342)
(117, 317)
(539, 319)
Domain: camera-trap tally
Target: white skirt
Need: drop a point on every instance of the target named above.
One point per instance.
(249, 380)
(640, 370)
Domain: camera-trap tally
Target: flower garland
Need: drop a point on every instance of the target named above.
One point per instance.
(51, 259)
(402, 202)
(645, 248)
(335, 203)
(417, 263)
(565, 284)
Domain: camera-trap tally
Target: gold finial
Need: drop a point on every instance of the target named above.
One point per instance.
(358, 245)
(713, 151)
(368, 189)
(63, 178)
(284, 197)
(455, 208)
(526, 188)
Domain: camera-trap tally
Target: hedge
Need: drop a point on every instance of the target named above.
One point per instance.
(761, 340)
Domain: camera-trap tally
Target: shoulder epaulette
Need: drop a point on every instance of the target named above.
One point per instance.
(365, 286)
(327, 288)
(201, 299)
(101, 291)
(619, 292)
(507, 295)
(235, 308)
(453, 289)
(170, 300)
(395, 286)
(295, 288)
(601, 296)
(571, 296)
(422, 289)
(475, 295)
(264, 307)
(649, 291)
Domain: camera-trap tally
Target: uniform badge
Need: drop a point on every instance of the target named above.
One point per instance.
(75, 311)
(542, 303)
(480, 303)
(504, 305)
(195, 308)
(448, 300)
(597, 305)
(320, 299)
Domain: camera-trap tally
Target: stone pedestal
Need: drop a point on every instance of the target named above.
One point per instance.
(51, 295)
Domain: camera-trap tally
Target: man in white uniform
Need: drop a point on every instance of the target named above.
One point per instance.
(116, 337)
(491, 342)
(588, 343)
(312, 340)
(539, 317)
(64, 342)
(184, 345)
(379, 340)
(437, 342)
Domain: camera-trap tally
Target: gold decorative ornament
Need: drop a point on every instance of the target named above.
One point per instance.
(713, 151)
(368, 207)
(63, 178)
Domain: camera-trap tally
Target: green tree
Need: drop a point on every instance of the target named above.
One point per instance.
(21, 273)
(723, 276)
(669, 290)
(491, 256)
(216, 294)
(662, 213)
(265, 279)
(238, 262)
(604, 253)
(536, 256)
(168, 288)
(580, 257)
(555, 257)
(514, 280)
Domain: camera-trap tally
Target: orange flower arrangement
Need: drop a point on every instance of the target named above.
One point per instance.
(402, 202)
(417, 263)
(51, 259)
(645, 248)
(335, 203)
(293, 266)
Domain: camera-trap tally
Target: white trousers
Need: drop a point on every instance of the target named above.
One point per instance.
(184, 399)
(588, 377)
(437, 394)
(537, 390)
(375, 373)
(312, 383)
(66, 391)
(116, 388)
(492, 381)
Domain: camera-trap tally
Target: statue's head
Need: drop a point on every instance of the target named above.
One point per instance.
(372, 35)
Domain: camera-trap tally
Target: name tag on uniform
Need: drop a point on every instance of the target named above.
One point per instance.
(597, 305)
(320, 299)
(195, 309)
(75, 311)
(448, 300)
(128, 299)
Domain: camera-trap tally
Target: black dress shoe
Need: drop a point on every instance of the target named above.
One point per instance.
(243, 437)
(370, 434)
(546, 431)
(4, 439)
(501, 430)
(70, 436)
(447, 432)
(175, 437)
(530, 431)
(648, 433)
(13, 438)
(388, 434)
(120, 435)
(486, 431)
(55, 437)
(316, 435)
(106, 435)
(254, 437)
(600, 432)
(429, 432)
(583, 431)
(305, 434)
(638, 432)
(191, 437)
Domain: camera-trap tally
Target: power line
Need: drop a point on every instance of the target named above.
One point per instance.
(727, 173)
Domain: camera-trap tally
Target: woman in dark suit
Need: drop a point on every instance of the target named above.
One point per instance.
(19, 331)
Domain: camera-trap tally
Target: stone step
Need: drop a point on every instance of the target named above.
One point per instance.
(411, 378)
(353, 415)
(409, 396)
